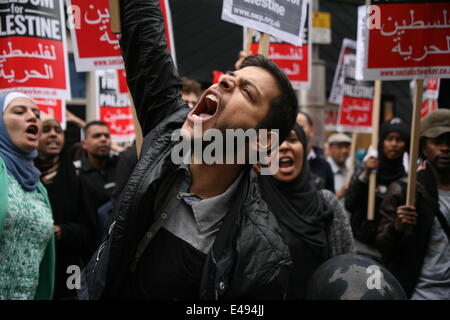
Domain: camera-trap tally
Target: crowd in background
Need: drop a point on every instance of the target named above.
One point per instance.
(242, 235)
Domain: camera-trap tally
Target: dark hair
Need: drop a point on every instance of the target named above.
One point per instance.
(93, 123)
(282, 109)
(308, 118)
(189, 85)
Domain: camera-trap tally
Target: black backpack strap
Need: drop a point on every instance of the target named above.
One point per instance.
(444, 223)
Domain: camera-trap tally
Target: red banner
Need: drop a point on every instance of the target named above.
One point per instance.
(95, 46)
(53, 107)
(331, 118)
(33, 53)
(114, 107)
(406, 41)
(355, 115)
(293, 60)
(355, 112)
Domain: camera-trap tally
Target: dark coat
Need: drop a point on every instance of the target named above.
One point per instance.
(72, 214)
(249, 257)
(322, 169)
(404, 254)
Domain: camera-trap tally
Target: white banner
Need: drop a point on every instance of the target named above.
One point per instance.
(283, 19)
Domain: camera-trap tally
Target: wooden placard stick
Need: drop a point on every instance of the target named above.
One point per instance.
(374, 145)
(352, 154)
(264, 44)
(114, 13)
(414, 147)
(249, 41)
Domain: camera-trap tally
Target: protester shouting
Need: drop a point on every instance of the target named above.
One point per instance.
(27, 245)
(315, 224)
(196, 230)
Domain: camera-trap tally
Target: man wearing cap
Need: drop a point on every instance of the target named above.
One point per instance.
(421, 260)
(339, 148)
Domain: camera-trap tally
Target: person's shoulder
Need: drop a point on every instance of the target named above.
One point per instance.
(318, 151)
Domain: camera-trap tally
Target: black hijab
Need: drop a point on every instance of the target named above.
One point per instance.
(303, 216)
(391, 169)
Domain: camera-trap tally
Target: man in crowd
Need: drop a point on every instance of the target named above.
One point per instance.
(196, 230)
(191, 91)
(414, 239)
(319, 166)
(97, 168)
(339, 148)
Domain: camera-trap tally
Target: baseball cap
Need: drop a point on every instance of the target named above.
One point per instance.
(339, 138)
(435, 123)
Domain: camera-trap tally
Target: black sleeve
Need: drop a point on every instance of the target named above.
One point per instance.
(356, 195)
(329, 183)
(151, 75)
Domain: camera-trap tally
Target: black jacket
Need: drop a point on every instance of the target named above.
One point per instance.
(404, 254)
(321, 168)
(249, 257)
(74, 216)
(356, 202)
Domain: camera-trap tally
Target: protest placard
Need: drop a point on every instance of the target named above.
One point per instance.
(95, 46)
(114, 107)
(53, 107)
(404, 40)
(430, 95)
(331, 118)
(283, 19)
(355, 111)
(33, 51)
(295, 61)
(336, 88)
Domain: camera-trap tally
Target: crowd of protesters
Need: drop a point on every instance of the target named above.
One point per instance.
(152, 229)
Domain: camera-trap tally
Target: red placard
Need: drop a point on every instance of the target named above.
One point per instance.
(122, 79)
(412, 41)
(114, 107)
(95, 46)
(355, 115)
(355, 112)
(119, 121)
(331, 118)
(216, 76)
(33, 53)
(293, 60)
(53, 107)
(428, 106)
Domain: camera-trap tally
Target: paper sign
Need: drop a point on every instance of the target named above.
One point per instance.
(404, 41)
(33, 52)
(283, 19)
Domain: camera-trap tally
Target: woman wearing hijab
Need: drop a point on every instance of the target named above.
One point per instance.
(388, 161)
(72, 227)
(26, 224)
(313, 222)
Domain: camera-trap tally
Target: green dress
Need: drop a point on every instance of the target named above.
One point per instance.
(26, 236)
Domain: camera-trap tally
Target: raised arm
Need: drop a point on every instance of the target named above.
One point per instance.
(151, 75)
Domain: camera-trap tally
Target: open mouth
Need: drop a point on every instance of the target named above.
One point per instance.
(286, 162)
(206, 108)
(32, 130)
(53, 144)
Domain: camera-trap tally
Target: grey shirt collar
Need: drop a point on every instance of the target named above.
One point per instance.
(208, 212)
